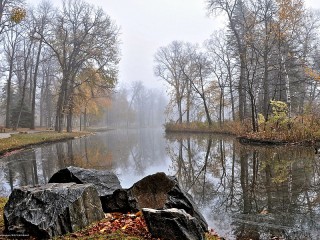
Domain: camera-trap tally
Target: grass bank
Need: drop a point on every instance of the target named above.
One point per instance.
(23, 140)
(304, 131)
(231, 128)
(2, 203)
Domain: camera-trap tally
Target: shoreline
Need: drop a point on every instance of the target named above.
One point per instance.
(20, 141)
(243, 137)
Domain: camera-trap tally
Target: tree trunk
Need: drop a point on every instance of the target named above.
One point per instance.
(253, 113)
(220, 106)
(22, 100)
(179, 108)
(85, 119)
(61, 104)
(8, 105)
(59, 115)
(70, 105)
(231, 96)
(188, 101)
(69, 121)
(207, 111)
(266, 94)
(266, 90)
(287, 87)
(41, 102)
(241, 89)
(33, 105)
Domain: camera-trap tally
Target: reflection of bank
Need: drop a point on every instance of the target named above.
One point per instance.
(242, 181)
(20, 171)
(132, 154)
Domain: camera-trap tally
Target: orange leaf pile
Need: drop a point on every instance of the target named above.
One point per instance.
(127, 224)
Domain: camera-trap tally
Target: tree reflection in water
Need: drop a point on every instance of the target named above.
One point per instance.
(259, 191)
(245, 192)
(131, 154)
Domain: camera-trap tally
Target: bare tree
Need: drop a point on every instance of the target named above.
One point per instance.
(236, 12)
(24, 57)
(223, 69)
(168, 69)
(11, 41)
(197, 70)
(39, 20)
(81, 36)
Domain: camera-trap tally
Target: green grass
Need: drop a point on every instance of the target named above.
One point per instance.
(118, 235)
(22, 140)
(2, 203)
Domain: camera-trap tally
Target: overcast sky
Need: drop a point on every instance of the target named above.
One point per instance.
(147, 25)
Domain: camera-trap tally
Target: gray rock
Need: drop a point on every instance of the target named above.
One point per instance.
(117, 202)
(106, 182)
(52, 209)
(173, 224)
(152, 191)
(157, 191)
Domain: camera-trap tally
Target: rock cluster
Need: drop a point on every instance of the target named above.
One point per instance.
(157, 191)
(70, 201)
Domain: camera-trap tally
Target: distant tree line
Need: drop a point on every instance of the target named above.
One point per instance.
(136, 106)
(58, 64)
(269, 51)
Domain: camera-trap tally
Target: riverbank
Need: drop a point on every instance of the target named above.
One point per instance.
(115, 226)
(295, 135)
(24, 139)
(199, 127)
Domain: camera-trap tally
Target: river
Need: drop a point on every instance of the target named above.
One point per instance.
(244, 192)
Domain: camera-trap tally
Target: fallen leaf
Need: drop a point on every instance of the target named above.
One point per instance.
(139, 214)
(124, 227)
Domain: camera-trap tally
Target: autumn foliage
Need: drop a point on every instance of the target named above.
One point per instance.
(18, 14)
(115, 226)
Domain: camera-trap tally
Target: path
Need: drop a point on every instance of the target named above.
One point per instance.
(8, 134)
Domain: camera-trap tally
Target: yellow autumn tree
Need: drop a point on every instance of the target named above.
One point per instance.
(290, 13)
(289, 21)
(92, 94)
(311, 73)
(17, 14)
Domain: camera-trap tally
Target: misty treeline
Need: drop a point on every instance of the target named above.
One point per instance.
(59, 66)
(136, 106)
(269, 50)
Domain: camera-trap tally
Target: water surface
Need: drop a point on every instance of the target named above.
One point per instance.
(244, 192)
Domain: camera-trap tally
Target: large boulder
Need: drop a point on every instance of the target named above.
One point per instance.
(106, 182)
(157, 191)
(52, 209)
(173, 224)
